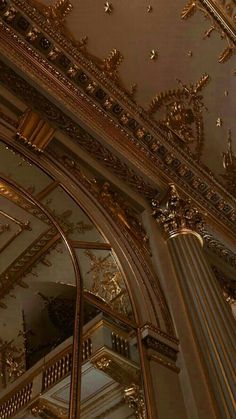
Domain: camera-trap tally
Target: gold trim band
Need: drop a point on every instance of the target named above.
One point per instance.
(184, 231)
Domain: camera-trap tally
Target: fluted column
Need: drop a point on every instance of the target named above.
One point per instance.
(212, 321)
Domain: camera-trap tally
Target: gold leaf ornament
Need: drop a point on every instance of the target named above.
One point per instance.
(188, 10)
(226, 54)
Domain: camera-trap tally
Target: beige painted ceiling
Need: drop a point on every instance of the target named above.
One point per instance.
(182, 54)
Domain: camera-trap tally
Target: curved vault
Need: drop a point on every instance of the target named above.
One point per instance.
(38, 216)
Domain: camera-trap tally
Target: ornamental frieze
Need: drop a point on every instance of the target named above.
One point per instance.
(157, 145)
(197, 183)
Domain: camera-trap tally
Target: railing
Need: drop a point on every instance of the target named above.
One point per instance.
(16, 401)
(120, 345)
(86, 349)
(57, 370)
(58, 364)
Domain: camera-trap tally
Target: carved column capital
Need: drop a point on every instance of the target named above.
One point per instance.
(178, 216)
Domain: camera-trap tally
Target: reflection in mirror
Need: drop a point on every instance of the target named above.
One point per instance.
(38, 297)
(111, 385)
(37, 311)
(37, 291)
(111, 377)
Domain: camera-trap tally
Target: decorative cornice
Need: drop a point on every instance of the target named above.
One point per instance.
(178, 216)
(69, 162)
(65, 124)
(161, 347)
(204, 188)
(55, 13)
(120, 169)
(218, 248)
(149, 326)
(208, 197)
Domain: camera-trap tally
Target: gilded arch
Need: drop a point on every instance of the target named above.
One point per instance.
(149, 306)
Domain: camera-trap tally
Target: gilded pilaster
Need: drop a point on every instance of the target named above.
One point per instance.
(211, 320)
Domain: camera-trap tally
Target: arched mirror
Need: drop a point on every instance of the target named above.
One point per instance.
(63, 352)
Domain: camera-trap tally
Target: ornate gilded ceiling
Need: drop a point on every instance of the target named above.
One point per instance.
(154, 104)
(188, 41)
(177, 110)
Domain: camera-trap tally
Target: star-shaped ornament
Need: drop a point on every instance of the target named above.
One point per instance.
(108, 8)
(153, 55)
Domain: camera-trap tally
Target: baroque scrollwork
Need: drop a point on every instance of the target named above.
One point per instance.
(183, 111)
(108, 283)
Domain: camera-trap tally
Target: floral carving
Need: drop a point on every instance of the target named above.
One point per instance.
(177, 215)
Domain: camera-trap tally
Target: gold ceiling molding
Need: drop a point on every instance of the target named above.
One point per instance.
(56, 14)
(222, 17)
(34, 131)
(8, 227)
(24, 263)
(229, 164)
(182, 110)
(156, 152)
(119, 168)
(21, 201)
